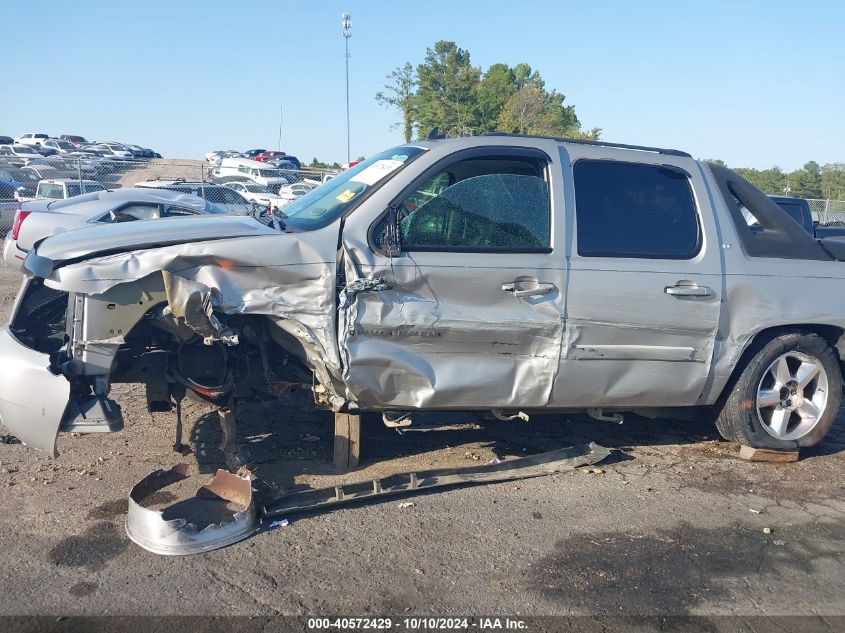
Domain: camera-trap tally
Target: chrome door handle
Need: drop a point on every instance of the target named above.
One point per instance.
(688, 291)
(539, 289)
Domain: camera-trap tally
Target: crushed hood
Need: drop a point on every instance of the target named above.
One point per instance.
(143, 234)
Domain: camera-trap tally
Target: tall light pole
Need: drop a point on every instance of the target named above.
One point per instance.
(346, 23)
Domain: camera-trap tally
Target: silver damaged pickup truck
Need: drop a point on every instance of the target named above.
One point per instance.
(500, 273)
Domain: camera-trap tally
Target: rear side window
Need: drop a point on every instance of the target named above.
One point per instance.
(634, 210)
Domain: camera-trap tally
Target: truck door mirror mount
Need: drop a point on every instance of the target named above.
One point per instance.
(391, 244)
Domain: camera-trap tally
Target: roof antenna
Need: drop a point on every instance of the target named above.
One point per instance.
(435, 134)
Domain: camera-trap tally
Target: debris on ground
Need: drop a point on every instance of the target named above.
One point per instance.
(215, 523)
(8, 438)
(179, 535)
(753, 511)
(779, 542)
(311, 438)
(495, 460)
(767, 530)
(471, 455)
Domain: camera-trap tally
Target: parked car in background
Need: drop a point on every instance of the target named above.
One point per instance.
(259, 173)
(142, 152)
(75, 164)
(258, 194)
(44, 150)
(40, 171)
(113, 151)
(32, 139)
(73, 138)
(9, 185)
(23, 184)
(6, 140)
(799, 210)
(283, 163)
(37, 219)
(9, 158)
(23, 152)
(61, 188)
(231, 201)
(29, 177)
(252, 153)
(60, 146)
(266, 154)
(279, 159)
(215, 157)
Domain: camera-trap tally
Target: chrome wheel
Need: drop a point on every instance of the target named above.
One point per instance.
(792, 396)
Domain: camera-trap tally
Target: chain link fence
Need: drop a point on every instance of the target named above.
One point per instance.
(239, 186)
(828, 212)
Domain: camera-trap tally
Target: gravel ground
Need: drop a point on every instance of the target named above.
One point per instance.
(674, 524)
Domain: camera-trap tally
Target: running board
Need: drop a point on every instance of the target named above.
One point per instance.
(522, 468)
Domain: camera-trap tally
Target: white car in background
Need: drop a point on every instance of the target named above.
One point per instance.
(61, 188)
(254, 170)
(23, 153)
(38, 219)
(294, 191)
(258, 194)
(216, 156)
(61, 147)
(112, 151)
(32, 138)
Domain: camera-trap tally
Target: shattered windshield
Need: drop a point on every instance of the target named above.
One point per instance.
(326, 203)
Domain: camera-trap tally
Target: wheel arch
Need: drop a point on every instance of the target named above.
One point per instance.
(834, 335)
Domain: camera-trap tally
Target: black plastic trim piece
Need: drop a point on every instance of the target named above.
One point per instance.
(781, 237)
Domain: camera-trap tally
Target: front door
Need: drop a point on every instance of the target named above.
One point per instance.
(470, 314)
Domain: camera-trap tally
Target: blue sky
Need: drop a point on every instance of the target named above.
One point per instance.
(754, 83)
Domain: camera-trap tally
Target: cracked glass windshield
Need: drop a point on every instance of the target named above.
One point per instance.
(328, 202)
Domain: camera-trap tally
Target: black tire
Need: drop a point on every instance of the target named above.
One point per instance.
(738, 420)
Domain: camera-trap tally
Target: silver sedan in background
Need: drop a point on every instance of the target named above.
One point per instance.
(40, 218)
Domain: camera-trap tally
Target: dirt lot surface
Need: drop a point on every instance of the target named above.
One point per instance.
(674, 523)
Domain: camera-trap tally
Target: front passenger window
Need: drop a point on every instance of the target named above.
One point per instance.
(484, 212)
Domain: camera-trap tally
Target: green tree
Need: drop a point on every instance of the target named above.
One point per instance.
(772, 181)
(806, 182)
(833, 181)
(525, 76)
(532, 110)
(447, 91)
(400, 95)
(497, 86)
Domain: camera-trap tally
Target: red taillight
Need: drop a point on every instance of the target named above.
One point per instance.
(20, 216)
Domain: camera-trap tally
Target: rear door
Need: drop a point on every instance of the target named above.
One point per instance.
(645, 285)
(470, 313)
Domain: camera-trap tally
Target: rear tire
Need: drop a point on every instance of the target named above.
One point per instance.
(786, 397)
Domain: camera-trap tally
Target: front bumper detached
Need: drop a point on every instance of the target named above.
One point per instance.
(32, 398)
